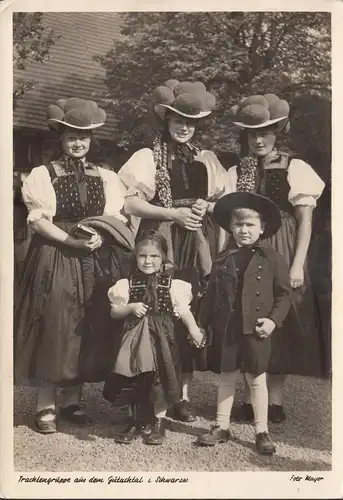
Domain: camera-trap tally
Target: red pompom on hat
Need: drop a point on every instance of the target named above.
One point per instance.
(76, 113)
(260, 111)
(188, 99)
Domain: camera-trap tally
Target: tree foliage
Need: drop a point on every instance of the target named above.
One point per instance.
(31, 42)
(234, 53)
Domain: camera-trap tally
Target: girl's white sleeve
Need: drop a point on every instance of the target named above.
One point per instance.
(181, 296)
(115, 192)
(138, 175)
(231, 180)
(39, 195)
(118, 294)
(305, 184)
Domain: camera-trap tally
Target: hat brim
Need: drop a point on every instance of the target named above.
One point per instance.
(160, 109)
(261, 125)
(268, 210)
(53, 122)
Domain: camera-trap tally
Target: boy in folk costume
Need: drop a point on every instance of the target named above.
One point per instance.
(247, 299)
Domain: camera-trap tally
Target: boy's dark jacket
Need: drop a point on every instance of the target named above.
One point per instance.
(266, 294)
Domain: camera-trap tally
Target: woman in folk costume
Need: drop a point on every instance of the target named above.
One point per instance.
(58, 279)
(172, 188)
(295, 187)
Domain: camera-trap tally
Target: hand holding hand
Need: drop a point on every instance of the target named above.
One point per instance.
(200, 207)
(139, 309)
(296, 275)
(185, 217)
(264, 327)
(198, 337)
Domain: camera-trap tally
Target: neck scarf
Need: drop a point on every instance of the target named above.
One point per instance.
(184, 155)
(150, 297)
(77, 166)
(251, 174)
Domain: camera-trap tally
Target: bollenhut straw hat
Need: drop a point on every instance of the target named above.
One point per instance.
(259, 111)
(188, 99)
(76, 113)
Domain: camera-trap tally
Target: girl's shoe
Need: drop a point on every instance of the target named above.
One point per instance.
(264, 445)
(75, 415)
(157, 435)
(46, 426)
(215, 436)
(184, 411)
(276, 414)
(130, 434)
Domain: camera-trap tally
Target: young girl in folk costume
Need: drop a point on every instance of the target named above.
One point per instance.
(246, 303)
(295, 187)
(147, 365)
(172, 188)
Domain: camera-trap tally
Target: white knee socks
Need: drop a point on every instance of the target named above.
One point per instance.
(276, 384)
(259, 399)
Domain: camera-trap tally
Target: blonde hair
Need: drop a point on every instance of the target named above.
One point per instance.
(241, 213)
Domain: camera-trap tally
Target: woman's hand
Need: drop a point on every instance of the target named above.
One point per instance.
(198, 336)
(139, 309)
(185, 217)
(296, 275)
(264, 327)
(92, 244)
(200, 207)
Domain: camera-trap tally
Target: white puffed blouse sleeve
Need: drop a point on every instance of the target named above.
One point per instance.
(305, 184)
(231, 180)
(39, 195)
(115, 192)
(118, 294)
(138, 175)
(180, 296)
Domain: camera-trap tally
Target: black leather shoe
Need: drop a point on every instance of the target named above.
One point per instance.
(184, 411)
(75, 415)
(128, 435)
(276, 414)
(243, 413)
(157, 435)
(215, 436)
(264, 445)
(46, 426)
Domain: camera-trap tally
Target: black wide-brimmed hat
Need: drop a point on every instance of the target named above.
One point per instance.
(268, 210)
(76, 113)
(188, 99)
(258, 111)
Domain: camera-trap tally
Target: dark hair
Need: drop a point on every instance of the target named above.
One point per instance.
(156, 239)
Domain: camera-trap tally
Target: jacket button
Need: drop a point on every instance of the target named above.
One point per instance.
(257, 308)
(259, 267)
(258, 293)
(258, 278)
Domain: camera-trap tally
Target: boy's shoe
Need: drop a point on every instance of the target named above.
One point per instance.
(184, 411)
(276, 414)
(216, 435)
(264, 445)
(128, 435)
(157, 435)
(243, 413)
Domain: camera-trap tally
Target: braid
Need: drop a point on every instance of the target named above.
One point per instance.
(163, 189)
